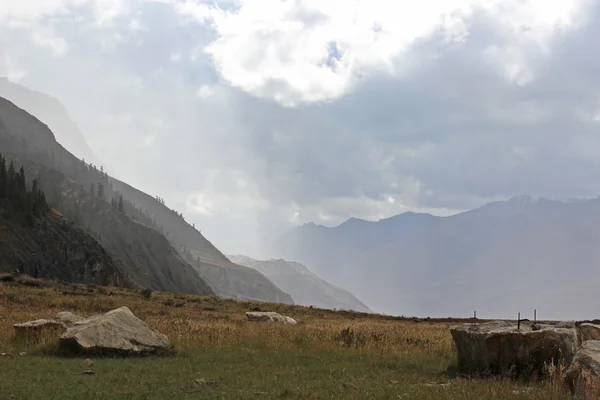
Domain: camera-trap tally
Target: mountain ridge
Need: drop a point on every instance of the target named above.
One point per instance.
(427, 265)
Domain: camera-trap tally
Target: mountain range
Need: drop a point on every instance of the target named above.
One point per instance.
(305, 287)
(153, 245)
(500, 259)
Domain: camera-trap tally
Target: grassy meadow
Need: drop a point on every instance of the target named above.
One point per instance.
(220, 355)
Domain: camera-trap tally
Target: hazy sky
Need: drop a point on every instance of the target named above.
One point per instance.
(251, 116)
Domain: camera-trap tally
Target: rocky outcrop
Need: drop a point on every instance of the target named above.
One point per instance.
(498, 347)
(583, 376)
(270, 317)
(117, 331)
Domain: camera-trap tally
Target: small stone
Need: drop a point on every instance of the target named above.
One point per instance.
(88, 372)
(22, 354)
(88, 363)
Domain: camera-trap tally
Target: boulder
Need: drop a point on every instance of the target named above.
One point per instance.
(271, 317)
(587, 332)
(117, 331)
(499, 348)
(68, 319)
(37, 328)
(565, 324)
(583, 375)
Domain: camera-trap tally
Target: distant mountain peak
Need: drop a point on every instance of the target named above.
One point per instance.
(354, 222)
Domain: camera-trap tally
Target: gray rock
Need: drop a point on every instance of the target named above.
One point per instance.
(116, 331)
(583, 375)
(587, 332)
(498, 347)
(270, 317)
(68, 319)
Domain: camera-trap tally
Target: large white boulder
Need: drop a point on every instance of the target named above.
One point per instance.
(116, 331)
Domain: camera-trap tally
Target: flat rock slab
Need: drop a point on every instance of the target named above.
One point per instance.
(34, 329)
(270, 317)
(117, 331)
(583, 375)
(499, 348)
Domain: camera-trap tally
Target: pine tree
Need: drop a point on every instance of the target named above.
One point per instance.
(100, 190)
(3, 177)
(121, 209)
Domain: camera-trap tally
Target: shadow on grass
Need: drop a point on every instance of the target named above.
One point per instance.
(62, 350)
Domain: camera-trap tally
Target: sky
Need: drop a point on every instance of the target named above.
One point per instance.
(255, 116)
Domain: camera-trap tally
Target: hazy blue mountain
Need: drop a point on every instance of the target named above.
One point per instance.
(305, 287)
(500, 259)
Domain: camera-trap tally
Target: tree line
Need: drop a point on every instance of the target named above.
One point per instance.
(14, 193)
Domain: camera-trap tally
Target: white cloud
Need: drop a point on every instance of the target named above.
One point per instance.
(105, 11)
(33, 10)
(315, 50)
(47, 38)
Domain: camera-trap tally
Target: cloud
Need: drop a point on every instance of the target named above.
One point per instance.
(47, 38)
(252, 120)
(305, 51)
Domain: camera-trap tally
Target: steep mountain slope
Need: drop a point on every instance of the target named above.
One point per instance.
(56, 248)
(37, 240)
(52, 112)
(499, 259)
(225, 278)
(305, 287)
(149, 259)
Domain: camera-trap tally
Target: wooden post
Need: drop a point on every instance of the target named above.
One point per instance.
(519, 322)
(534, 315)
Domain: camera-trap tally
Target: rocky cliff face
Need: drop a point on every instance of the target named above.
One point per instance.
(56, 248)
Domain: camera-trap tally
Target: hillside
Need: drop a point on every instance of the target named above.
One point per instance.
(305, 287)
(499, 259)
(39, 241)
(224, 277)
(148, 258)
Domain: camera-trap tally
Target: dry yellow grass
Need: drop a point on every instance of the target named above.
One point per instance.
(327, 355)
